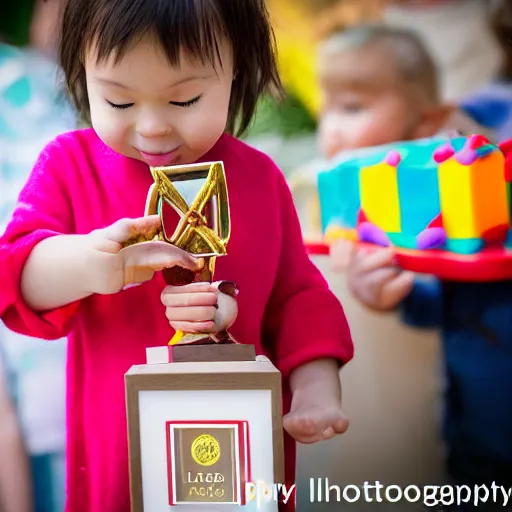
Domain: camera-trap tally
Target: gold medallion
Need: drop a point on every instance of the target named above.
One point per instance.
(205, 450)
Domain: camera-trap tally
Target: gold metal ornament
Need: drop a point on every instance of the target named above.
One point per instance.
(198, 193)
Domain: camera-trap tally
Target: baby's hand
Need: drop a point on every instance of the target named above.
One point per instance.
(314, 421)
(372, 275)
(200, 307)
(112, 268)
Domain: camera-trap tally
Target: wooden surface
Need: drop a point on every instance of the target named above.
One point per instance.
(213, 352)
(216, 375)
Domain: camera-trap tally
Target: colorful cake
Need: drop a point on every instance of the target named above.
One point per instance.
(432, 194)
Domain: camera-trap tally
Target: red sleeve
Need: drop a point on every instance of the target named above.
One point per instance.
(304, 319)
(43, 210)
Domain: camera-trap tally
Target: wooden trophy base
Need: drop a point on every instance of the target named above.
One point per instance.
(174, 407)
(200, 353)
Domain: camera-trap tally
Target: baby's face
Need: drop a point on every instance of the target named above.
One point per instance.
(145, 109)
(364, 101)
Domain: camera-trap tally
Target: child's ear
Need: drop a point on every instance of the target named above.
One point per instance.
(434, 120)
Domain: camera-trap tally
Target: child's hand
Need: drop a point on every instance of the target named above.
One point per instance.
(316, 413)
(372, 275)
(341, 253)
(112, 269)
(200, 307)
(315, 421)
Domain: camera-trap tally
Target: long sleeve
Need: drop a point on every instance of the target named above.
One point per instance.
(43, 210)
(423, 307)
(303, 319)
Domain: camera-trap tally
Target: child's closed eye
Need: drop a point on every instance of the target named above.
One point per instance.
(188, 103)
(352, 106)
(353, 109)
(185, 104)
(120, 105)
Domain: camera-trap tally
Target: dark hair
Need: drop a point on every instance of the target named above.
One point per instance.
(500, 19)
(196, 26)
(413, 60)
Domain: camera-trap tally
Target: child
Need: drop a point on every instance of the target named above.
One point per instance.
(160, 82)
(379, 85)
(476, 326)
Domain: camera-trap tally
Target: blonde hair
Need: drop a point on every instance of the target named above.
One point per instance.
(413, 61)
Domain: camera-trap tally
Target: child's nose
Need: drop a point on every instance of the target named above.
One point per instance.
(153, 125)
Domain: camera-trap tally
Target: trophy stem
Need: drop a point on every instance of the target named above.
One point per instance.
(223, 337)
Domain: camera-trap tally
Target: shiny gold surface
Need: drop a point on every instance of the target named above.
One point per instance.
(198, 194)
(196, 232)
(205, 465)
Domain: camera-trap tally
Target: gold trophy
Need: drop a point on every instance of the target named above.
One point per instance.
(208, 462)
(198, 194)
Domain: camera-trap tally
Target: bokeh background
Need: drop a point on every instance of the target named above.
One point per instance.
(393, 388)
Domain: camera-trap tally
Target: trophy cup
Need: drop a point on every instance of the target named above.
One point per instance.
(199, 404)
(198, 195)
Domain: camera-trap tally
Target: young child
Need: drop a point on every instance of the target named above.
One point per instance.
(379, 85)
(475, 321)
(161, 83)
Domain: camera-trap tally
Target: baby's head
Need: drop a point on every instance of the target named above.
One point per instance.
(379, 85)
(160, 81)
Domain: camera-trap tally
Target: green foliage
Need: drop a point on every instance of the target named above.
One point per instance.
(287, 118)
(15, 18)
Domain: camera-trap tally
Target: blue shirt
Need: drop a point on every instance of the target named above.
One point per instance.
(476, 326)
(491, 107)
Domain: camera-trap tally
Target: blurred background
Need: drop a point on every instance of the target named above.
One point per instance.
(392, 389)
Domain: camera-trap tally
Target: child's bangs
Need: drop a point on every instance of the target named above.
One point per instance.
(191, 26)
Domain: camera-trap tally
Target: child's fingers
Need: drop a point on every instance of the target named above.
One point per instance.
(334, 419)
(302, 428)
(198, 287)
(194, 314)
(177, 300)
(341, 424)
(341, 253)
(395, 290)
(124, 229)
(368, 286)
(376, 279)
(157, 256)
(193, 327)
(369, 261)
(328, 433)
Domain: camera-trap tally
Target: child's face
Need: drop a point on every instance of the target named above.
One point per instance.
(364, 102)
(145, 109)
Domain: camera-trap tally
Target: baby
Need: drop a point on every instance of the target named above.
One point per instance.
(379, 85)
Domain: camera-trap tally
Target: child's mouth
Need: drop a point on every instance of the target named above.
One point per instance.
(159, 159)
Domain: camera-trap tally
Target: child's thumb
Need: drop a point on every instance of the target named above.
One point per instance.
(126, 230)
